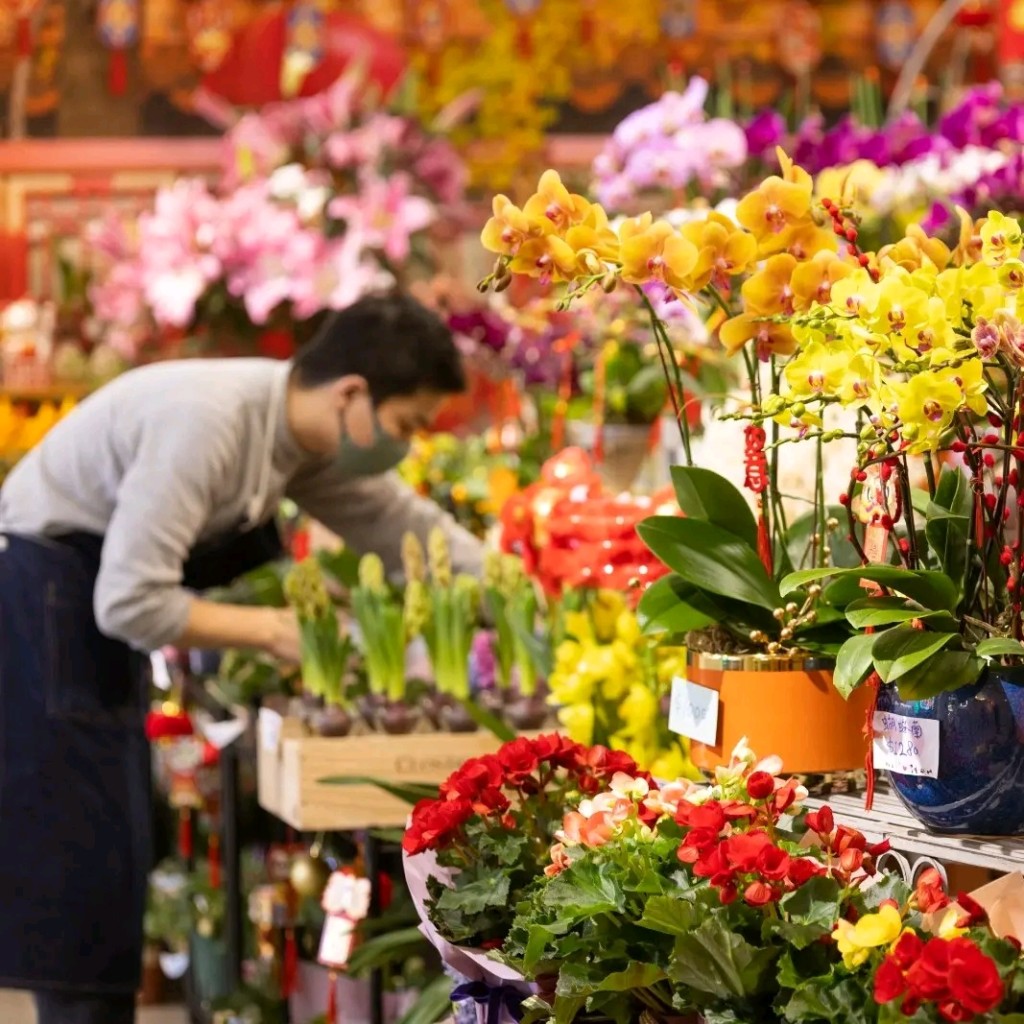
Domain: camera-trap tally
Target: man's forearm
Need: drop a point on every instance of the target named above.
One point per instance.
(213, 626)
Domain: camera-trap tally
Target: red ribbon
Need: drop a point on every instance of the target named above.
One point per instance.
(185, 833)
(875, 682)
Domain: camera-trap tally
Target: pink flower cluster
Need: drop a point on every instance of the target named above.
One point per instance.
(667, 146)
(319, 202)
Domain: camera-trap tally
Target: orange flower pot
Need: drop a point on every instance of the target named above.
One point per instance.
(785, 706)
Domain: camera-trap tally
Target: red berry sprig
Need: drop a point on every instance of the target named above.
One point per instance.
(847, 231)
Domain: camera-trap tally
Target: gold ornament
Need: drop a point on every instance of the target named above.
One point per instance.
(309, 873)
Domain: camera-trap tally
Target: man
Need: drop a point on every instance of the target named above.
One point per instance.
(160, 485)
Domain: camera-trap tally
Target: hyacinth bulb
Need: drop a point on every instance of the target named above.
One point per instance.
(371, 573)
(439, 557)
(306, 590)
(414, 560)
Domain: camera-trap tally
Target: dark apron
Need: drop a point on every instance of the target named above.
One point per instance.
(75, 766)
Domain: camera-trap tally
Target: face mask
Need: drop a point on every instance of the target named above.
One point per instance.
(383, 454)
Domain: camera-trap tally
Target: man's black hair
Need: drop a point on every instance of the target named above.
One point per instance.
(394, 342)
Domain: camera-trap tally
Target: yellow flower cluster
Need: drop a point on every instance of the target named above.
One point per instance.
(608, 687)
(21, 432)
(780, 247)
(907, 345)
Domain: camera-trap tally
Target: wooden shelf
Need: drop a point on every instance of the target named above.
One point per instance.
(891, 820)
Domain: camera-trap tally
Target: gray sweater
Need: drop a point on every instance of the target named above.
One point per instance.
(181, 452)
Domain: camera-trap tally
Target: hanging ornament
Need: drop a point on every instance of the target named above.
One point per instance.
(896, 32)
(118, 24)
(878, 506)
(209, 27)
(309, 872)
(679, 18)
(346, 902)
(756, 480)
(303, 49)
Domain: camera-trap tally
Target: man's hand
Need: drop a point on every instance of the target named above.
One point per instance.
(286, 641)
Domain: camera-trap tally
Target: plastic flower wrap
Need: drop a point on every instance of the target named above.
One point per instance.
(325, 650)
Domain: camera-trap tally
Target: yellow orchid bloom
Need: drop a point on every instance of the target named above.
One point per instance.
(509, 227)
(554, 203)
(969, 245)
(856, 941)
(770, 338)
(549, 257)
(1001, 239)
(803, 240)
(657, 252)
(916, 249)
(812, 281)
(818, 371)
(853, 185)
(856, 295)
(725, 250)
(777, 203)
(769, 291)
(926, 404)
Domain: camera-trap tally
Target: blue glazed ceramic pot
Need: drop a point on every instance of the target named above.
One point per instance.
(980, 788)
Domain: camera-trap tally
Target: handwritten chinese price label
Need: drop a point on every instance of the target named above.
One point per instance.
(693, 712)
(907, 746)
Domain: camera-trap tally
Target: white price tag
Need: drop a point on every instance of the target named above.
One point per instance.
(693, 712)
(907, 746)
(270, 723)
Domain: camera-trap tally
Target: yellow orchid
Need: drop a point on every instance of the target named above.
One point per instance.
(770, 291)
(926, 403)
(818, 370)
(856, 295)
(873, 931)
(549, 257)
(724, 250)
(509, 227)
(803, 239)
(770, 337)
(656, 251)
(916, 249)
(853, 185)
(969, 245)
(1001, 239)
(776, 204)
(554, 203)
(812, 281)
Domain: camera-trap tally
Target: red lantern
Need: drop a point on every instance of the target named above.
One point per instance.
(262, 44)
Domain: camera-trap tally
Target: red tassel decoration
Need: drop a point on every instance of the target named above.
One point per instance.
(214, 857)
(117, 73)
(185, 834)
(874, 681)
(332, 997)
(290, 966)
(756, 479)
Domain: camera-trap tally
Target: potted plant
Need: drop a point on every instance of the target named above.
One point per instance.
(325, 650)
(768, 659)
(939, 629)
(731, 902)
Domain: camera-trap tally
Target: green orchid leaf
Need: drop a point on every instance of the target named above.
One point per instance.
(934, 591)
(887, 611)
(948, 522)
(854, 662)
(704, 494)
(673, 606)
(903, 648)
(711, 559)
(941, 673)
(1000, 647)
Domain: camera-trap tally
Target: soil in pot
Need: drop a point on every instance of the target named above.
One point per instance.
(980, 785)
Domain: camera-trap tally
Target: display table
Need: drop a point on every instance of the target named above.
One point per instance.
(913, 847)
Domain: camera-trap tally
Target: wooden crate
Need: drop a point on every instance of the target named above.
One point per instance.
(291, 765)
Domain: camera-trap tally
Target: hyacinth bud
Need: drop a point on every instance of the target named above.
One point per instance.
(512, 572)
(417, 608)
(439, 558)
(492, 570)
(413, 558)
(306, 590)
(468, 588)
(371, 573)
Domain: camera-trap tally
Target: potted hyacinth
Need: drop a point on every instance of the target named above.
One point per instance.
(769, 657)
(325, 650)
(386, 623)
